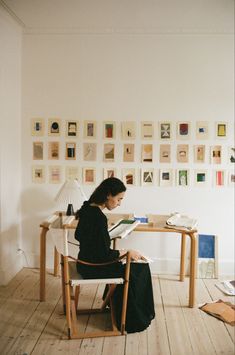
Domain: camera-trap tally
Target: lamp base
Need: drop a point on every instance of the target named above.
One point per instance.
(70, 211)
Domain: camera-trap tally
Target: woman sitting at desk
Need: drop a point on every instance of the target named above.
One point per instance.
(92, 234)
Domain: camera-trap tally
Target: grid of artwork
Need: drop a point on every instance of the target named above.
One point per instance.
(115, 146)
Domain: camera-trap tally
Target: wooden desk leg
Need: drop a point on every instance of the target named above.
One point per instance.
(182, 257)
(192, 270)
(42, 290)
(56, 262)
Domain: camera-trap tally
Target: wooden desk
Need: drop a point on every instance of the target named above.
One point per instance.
(157, 226)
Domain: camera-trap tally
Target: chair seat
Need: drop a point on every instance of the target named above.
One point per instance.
(77, 279)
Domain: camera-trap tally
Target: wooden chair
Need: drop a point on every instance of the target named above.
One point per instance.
(71, 280)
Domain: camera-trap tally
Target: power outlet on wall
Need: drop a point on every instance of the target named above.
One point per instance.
(19, 250)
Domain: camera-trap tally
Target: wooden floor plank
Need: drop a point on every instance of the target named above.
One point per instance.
(114, 345)
(94, 346)
(137, 344)
(54, 338)
(31, 327)
(216, 329)
(36, 324)
(177, 329)
(8, 290)
(198, 334)
(216, 294)
(17, 310)
(157, 335)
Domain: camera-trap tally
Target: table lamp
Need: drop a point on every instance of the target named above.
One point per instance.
(71, 193)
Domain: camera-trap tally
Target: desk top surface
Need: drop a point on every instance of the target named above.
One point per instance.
(157, 223)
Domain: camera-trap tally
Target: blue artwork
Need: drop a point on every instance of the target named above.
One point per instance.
(206, 246)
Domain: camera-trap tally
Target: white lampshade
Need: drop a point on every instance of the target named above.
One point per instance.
(71, 195)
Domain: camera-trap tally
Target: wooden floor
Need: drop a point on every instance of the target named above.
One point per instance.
(30, 327)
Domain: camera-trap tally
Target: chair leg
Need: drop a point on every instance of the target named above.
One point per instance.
(125, 294)
(113, 315)
(67, 296)
(76, 295)
(73, 313)
(63, 283)
(108, 296)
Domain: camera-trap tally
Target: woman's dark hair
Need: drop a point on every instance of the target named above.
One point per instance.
(110, 186)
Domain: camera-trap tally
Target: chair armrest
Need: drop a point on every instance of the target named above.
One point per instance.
(127, 256)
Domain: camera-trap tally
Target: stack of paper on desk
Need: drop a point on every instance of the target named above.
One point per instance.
(179, 221)
(122, 228)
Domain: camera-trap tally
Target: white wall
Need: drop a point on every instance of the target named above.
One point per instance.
(180, 68)
(10, 147)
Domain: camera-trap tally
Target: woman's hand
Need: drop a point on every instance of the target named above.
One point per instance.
(135, 255)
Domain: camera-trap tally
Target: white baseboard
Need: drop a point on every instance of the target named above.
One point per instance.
(10, 270)
(158, 266)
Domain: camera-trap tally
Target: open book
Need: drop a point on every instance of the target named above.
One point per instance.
(122, 228)
(227, 287)
(179, 221)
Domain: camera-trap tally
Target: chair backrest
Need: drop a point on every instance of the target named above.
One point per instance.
(59, 234)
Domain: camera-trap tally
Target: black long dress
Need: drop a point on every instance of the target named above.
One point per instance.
(92, 234)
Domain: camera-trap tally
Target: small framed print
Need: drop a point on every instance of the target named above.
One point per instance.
(54, 126)
(207, 256)
(128, 152)
(231, 154)
(90, 129)
(202, 130)
(54, 174)
(109, 152)
(199, 153)
(38, 174)
(37, 126)
(89, 151)
(71, 173)
(200, 177)
(219, 177)
(71, 128)
(147, 130)
(109, 172)
(166, 177)
(128, 177)
(221, 129)
(147, 176)
(147, 153)
(128, 130)
(182, 153)
(70, 151)
(165, 130)
(216, 152)
(53, 150)
(231, 178)
(89, 176)
(182, 177)
(165, 153)
(183, 130)
(37, 150)
(109, 130)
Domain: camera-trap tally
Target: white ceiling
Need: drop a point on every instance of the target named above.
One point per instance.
(36, 15)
